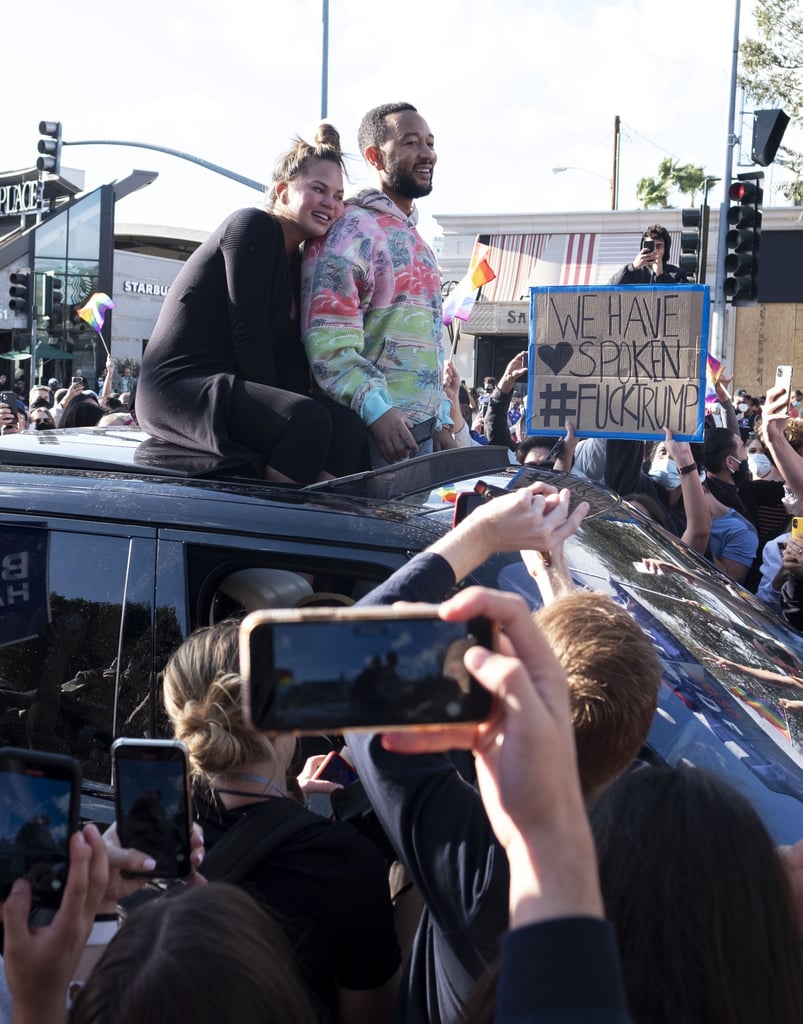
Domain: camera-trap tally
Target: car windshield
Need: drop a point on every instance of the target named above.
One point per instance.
(728, 661)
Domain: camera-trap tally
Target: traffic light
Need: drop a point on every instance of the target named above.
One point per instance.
(744, 237)
(50, 147)
(53, 298)
(689, 261)
(19, 294)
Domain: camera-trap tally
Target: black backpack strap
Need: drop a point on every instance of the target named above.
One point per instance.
(253, 837)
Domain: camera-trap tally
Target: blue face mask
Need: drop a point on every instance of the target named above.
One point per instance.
(665, 473)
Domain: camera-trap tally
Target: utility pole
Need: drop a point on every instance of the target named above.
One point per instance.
(615, 171)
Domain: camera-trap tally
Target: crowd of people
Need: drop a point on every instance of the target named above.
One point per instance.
(549, 876)
(558, 877)
(51, 406)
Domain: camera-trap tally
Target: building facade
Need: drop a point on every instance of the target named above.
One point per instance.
(586, 248)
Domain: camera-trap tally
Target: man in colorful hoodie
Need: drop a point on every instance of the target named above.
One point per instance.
(371, 295)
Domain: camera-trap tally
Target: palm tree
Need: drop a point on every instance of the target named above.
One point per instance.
(689, 180)
(650, 193)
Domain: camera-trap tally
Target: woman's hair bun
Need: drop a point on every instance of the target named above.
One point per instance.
(327, 135)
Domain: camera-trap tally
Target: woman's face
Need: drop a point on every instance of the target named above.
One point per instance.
(313, 200)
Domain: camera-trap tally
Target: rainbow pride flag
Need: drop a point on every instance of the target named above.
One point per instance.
(94, 310)
(460, 301)
(713, 369)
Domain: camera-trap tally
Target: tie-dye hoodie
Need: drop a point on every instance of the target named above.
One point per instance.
(371, 312)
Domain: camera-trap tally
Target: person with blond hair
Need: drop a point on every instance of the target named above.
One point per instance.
(224, 371)
(325, 882)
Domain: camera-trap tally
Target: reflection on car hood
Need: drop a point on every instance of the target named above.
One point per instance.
(718, 645)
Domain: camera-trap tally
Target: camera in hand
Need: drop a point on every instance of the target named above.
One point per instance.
(333, 670)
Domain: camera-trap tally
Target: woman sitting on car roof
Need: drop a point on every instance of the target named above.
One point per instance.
(224, 371)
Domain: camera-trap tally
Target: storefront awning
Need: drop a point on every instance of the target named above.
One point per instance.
(42, 352)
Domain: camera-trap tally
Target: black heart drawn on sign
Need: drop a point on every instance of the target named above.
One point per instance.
(556, 356)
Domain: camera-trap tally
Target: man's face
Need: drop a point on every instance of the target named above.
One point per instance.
(407, 156)
(737, 457)
(658, 248)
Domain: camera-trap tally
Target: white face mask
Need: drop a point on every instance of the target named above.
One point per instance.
(759, 464)
(665, 473)
(743, 407)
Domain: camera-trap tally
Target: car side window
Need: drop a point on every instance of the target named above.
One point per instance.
(73, 668)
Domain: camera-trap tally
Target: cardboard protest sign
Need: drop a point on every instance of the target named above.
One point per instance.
(618, 360)
(24, 589)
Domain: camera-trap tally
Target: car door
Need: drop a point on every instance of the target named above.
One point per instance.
(76, 638)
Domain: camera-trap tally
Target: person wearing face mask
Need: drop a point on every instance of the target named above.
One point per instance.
(42, 419)
(760, 501)
(665, 473)
(743, 416)
(759, 461)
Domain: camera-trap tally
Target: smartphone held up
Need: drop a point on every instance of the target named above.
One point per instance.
(151, 792)
(333, 670)
(39, 801)
(783, 378)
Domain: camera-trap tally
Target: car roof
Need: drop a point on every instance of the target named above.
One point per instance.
(130, 451)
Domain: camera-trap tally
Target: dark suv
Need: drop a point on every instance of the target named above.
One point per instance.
(114, 549)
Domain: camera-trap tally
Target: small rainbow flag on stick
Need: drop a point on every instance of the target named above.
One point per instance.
(93, 312)
(459, 302)
(713, 371)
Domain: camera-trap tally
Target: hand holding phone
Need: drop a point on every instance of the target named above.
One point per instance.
(39, 801)
(333, 670)
(151, 792)
(8, 410)
(335, 768)
(783, 378)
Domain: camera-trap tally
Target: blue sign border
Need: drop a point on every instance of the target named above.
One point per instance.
(627, 288)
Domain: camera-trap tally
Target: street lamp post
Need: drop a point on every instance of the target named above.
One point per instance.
(560, 168)
(718, 319)
(258, 185)
(325, 62)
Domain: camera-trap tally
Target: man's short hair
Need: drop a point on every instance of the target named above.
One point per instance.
(659, 233)
(719, 443)
(540, 441)
(374, 128)
(614, 676)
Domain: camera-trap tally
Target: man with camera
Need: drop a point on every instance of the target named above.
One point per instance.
(651, 264)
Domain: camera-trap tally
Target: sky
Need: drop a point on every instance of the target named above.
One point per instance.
(510, 90)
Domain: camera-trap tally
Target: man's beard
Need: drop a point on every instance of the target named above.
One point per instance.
(404, 184)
